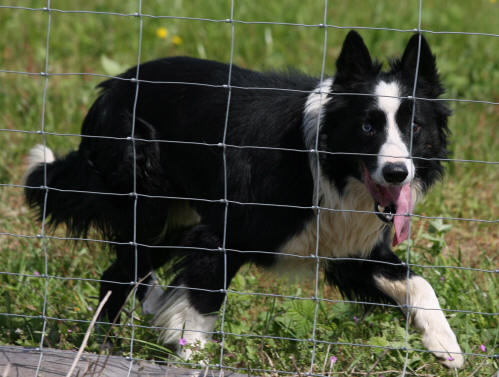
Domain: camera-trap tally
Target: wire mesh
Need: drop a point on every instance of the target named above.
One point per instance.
(316, 152)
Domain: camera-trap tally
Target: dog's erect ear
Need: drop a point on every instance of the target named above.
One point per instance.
(354, 60)
(427, 66)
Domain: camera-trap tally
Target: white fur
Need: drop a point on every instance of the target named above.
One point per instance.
(426, 315)
(181, 320)
(314, 109)
(341, 234)
(393, 149)
(152, 299)
(37, 155)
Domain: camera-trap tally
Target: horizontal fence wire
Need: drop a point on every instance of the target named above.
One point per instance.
(248, 88)
(225, 200)
(236, 21)
(235, 202)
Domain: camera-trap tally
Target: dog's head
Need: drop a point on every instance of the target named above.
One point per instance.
(389, 139)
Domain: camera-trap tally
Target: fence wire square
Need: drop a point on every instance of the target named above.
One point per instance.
(236, 27)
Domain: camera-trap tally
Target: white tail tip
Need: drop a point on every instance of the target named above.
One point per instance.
(39, 154)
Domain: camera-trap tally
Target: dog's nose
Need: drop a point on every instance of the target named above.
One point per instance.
(395, 172)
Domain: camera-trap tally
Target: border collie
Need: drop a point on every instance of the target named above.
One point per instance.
(230, 174)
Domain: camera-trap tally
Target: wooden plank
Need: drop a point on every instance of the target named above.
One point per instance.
(23, 362)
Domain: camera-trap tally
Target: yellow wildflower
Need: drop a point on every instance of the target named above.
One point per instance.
(77, 309)
(161, 32)
(177, 41)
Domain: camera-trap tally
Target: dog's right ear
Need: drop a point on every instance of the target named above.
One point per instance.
(354, 61)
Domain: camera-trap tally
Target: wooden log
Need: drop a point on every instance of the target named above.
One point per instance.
(23, 362)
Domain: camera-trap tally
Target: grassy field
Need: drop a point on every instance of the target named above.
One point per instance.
(105, 44)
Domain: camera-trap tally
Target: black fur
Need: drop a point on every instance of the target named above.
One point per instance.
(171, 118)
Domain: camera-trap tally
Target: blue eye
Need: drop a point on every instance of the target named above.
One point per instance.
(367, 129)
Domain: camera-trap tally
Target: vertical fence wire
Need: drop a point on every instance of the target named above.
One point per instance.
(408, 250)
(317, 192)
(225, 191)
(46, 190)
(225, 200)
(135, 282)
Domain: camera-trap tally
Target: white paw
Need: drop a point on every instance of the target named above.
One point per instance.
(185, 353)
(188, 351)
(442, 342)
(426, 316)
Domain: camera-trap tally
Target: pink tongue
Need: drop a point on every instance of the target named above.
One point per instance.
(401, 197)
(404, 205)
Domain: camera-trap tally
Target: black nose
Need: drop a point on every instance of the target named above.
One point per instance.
(395, 172)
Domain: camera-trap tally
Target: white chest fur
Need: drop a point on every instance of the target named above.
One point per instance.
(341, 234)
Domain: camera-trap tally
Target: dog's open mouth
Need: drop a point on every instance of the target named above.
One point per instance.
(392, 203)
(385, 214)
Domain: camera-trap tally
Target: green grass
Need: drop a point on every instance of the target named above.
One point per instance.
(103, 44)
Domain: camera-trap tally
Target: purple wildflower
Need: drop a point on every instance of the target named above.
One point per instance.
(333, 360)
(36, 273)
(450, 358)
(182, 341)
(442, 278)
(355, 319)
(483, 348)
(70, 331)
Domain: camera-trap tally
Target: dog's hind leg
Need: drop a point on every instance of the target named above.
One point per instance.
(386, 279)
(189, 308)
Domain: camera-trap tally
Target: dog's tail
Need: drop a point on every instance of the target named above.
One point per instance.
(58, 189)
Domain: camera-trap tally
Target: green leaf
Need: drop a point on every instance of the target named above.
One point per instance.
(378, 341)
(110, 66)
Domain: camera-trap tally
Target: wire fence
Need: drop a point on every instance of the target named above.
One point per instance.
(225, 200)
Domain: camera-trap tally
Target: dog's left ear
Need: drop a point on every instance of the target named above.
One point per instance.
(427, 65)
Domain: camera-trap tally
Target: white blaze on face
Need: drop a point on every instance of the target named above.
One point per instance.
(393, 150)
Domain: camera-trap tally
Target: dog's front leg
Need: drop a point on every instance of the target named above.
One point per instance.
(385, 278)
(416, 295)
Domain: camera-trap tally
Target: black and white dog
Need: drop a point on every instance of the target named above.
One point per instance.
(286, 144)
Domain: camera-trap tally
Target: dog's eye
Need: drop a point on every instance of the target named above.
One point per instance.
(367, 129)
